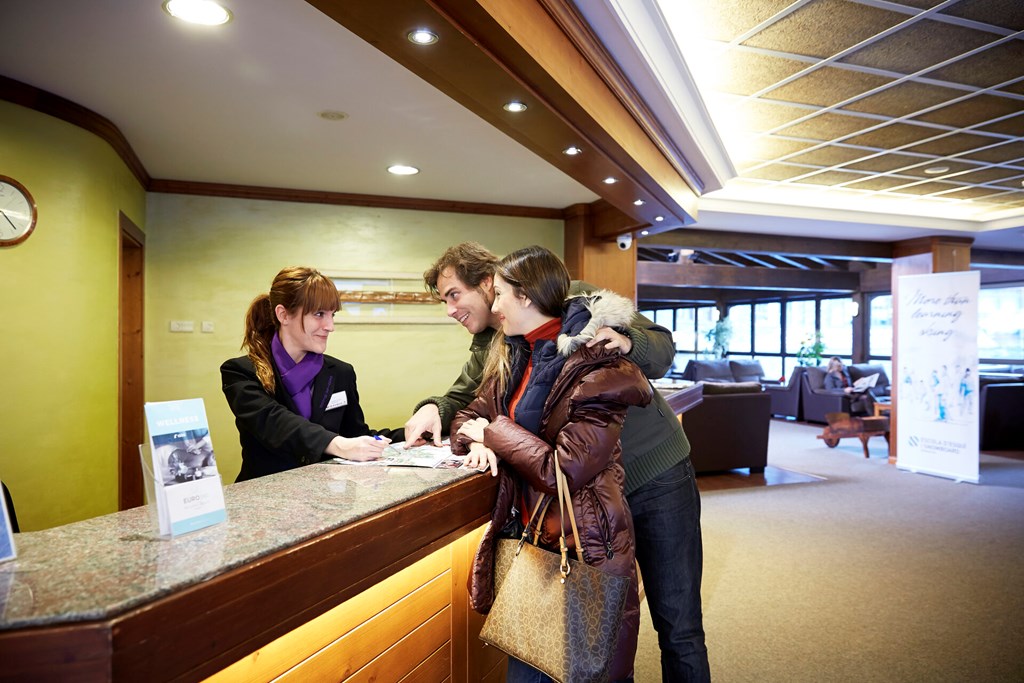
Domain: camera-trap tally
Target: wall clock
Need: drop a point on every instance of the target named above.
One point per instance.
(17, 212)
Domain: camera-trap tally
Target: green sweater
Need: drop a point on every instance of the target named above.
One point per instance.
(652, 438)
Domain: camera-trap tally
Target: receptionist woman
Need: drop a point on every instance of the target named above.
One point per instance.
(293, 404)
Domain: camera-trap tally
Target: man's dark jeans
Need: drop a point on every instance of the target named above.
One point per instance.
(666, 519)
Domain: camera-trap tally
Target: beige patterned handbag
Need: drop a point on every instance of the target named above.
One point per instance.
(557, 614)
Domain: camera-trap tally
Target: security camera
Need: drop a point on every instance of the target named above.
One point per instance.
(624, 241)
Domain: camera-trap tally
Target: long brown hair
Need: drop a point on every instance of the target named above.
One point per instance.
(540, 276)
(300, 290)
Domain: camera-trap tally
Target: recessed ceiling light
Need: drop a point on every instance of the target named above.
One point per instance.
(609, 181)
(645, 232)
(937, 170)
(638, 202)
(422, 36)
(332, 115)
(659, 218)
(515, 107)
(402, 169)
(572, 151)
(205, 12)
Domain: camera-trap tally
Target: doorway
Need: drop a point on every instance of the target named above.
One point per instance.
(130, 363)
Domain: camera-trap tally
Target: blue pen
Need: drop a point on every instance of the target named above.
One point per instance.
(377, 437)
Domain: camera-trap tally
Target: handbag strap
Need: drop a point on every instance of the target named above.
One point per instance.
(565, 502)
(534, 517)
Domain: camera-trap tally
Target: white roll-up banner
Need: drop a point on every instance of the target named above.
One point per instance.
(937, 375)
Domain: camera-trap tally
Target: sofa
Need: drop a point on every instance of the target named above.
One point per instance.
(817, 401)
(1000, 408)
(724, 370)
(729, 428)
(786, 397)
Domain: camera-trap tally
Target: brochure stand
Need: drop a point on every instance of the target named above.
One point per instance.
(183, 487)
(7, 549)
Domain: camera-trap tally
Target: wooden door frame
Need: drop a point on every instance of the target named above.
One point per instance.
(130, 319)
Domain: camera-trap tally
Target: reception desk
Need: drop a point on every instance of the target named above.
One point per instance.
(325, 572)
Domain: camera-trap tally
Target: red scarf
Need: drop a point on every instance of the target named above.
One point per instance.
(549, 331)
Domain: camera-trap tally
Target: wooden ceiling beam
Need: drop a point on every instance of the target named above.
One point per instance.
(690, 238)
(996, 259)
(696, 275)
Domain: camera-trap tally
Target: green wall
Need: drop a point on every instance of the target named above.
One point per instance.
(58, 307)
(206, 258)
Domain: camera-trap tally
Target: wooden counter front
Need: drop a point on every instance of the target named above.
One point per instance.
(196, 631)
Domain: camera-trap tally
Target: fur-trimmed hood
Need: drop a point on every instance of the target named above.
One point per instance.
(587, 313)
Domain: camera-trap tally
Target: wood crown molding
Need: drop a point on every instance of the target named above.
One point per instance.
(572, 23)
(31, 97)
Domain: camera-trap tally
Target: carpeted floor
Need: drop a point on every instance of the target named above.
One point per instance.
(873, 574)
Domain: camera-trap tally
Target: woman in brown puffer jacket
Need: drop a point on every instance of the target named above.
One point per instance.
(546, 389)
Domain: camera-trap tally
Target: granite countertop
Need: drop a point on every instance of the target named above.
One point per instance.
(100, 567)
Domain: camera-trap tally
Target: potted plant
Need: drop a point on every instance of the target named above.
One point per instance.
(720, 336)
(811, 350)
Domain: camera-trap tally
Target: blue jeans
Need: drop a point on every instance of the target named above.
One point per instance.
(521, 672)
(666, 520)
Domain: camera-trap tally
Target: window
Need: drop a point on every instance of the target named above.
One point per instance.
(800, 324)
(880, 329)
(742, 331)
(1000, 330)
(837, 326)
(707, 316)
(685, 332)
(767, 327)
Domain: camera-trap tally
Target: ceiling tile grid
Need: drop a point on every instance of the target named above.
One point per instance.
(923, 98)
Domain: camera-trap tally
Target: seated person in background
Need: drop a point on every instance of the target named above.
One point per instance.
(838, 377)
(293, 405)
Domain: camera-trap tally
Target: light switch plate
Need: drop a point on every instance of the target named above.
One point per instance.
(183, 326)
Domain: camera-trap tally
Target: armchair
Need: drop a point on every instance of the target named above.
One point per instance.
(819, 401)
(729, 428)
(786, 397)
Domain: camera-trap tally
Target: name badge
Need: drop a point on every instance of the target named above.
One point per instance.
(337, 400)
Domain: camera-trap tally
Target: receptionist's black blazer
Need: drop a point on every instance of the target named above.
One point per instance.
(274, 436)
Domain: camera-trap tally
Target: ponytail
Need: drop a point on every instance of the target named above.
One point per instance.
(260, 327)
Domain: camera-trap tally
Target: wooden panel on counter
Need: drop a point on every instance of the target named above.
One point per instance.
(199, 630)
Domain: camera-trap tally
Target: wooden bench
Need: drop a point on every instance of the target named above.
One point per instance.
(842, 425)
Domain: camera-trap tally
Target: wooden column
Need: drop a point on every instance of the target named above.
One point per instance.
(598, 260)
(920, 257)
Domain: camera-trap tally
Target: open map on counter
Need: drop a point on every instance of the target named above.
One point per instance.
(397, 455)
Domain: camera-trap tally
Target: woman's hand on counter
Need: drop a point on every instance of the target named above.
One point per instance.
(481, 457)
(426, 419)
(360, 448)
